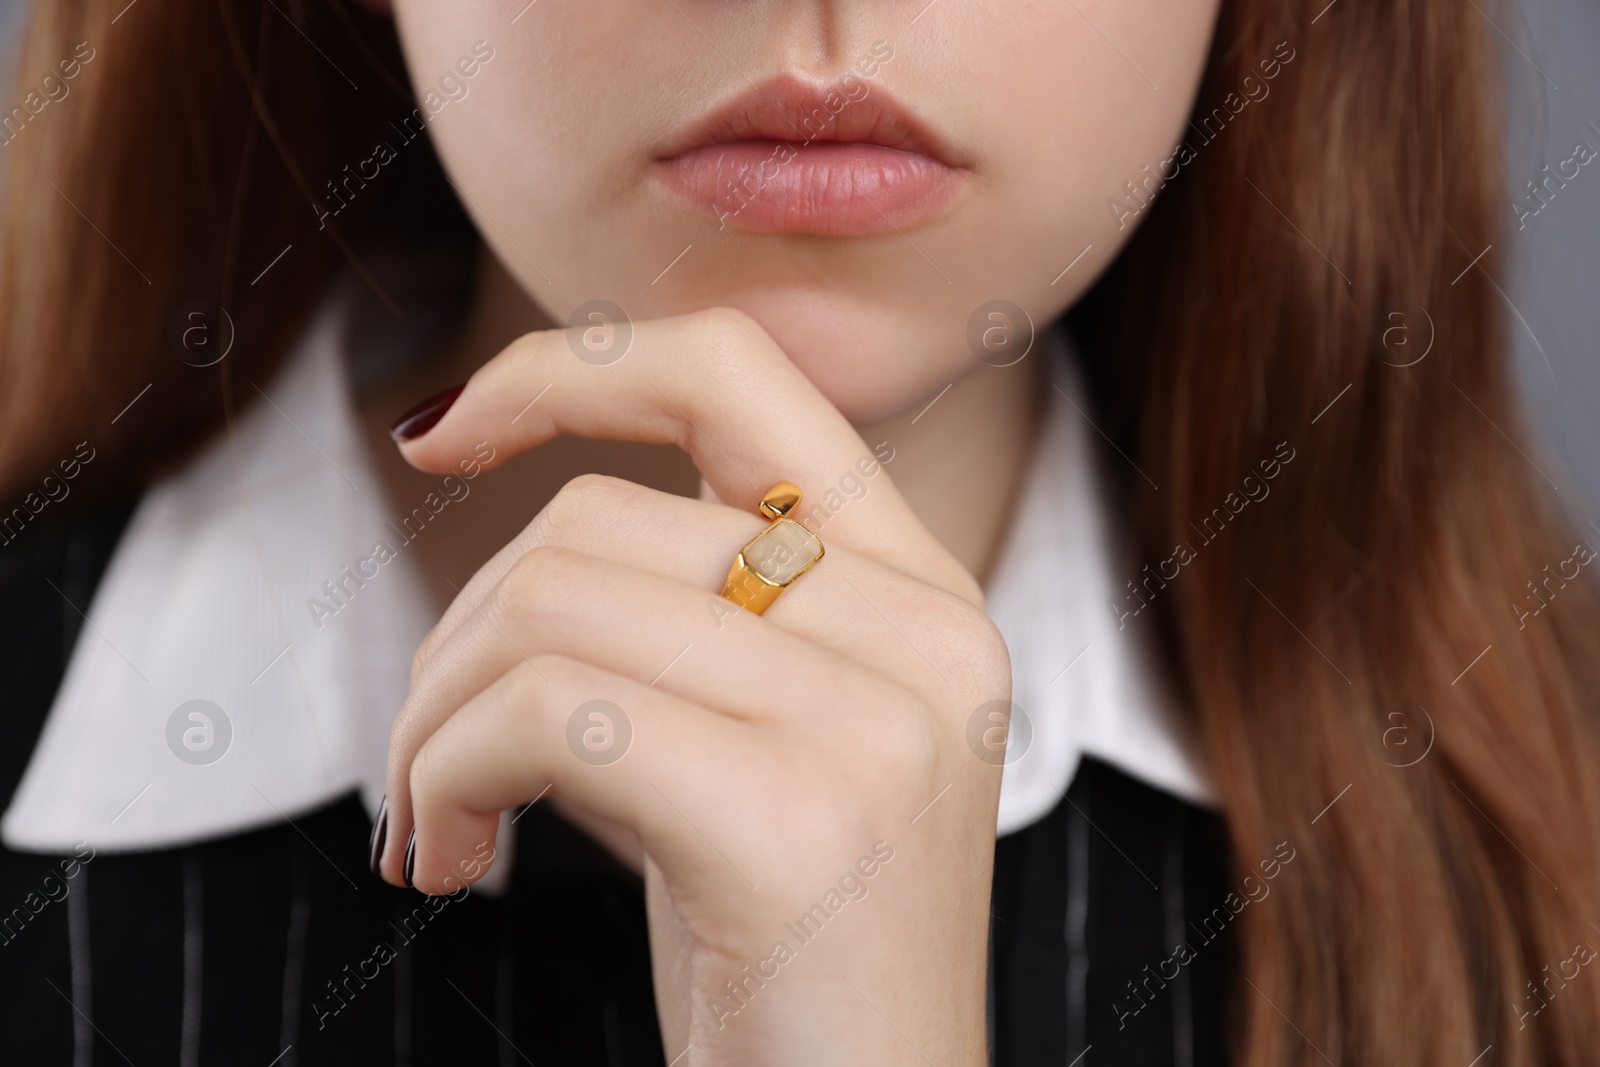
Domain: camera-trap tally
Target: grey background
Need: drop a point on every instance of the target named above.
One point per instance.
(1554, 261)
(1550, 56)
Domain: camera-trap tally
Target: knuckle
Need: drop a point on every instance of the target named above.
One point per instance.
(969, 647)
(990, 655)
(507, 712)
(426, 651)
(508, 599)
(508, 709)
(533, 583)
(580, 505)
(731, 338)
(522, 351)
(729, 322)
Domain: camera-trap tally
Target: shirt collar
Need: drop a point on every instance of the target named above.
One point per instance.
(213, 595)
(1083, 681)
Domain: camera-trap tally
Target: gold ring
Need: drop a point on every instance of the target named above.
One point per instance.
(776, 556)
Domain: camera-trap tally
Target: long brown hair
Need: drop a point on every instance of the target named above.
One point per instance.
(160, 180)
(1432, 901)
(1390, 657)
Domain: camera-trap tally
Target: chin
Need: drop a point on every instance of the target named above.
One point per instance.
(871, 362)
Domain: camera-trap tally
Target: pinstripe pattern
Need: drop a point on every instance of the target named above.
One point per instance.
(1088, 904)
(219, 953)
(78, 954)
(294, 960)
(193, 958)
(1076, 932)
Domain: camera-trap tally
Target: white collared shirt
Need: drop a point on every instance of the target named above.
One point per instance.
(212, 594)
(207, 598)
(1086, 683)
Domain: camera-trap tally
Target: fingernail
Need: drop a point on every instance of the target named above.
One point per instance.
(379, 830)
(422, 418)
(411, 859)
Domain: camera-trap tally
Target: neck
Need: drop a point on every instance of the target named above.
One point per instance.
(958, 462)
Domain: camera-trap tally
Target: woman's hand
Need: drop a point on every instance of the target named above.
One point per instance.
(818, 834)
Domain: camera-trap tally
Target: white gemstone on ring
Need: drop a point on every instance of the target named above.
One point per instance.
(780, 552)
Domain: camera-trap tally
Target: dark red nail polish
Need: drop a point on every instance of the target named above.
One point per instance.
(411, 859)
(422, 418)
(379, 831)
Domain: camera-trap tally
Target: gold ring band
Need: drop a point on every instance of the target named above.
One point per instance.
(772, 559)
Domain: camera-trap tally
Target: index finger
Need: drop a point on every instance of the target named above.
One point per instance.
(717, 386)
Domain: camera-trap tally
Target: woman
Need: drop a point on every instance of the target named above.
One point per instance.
(1280, 776)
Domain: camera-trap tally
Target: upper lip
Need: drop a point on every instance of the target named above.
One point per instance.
(792, 109)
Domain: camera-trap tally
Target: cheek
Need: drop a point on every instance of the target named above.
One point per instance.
(551, 146)
(1080, 116)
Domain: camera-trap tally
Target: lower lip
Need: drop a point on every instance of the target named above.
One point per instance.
(834, 188)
